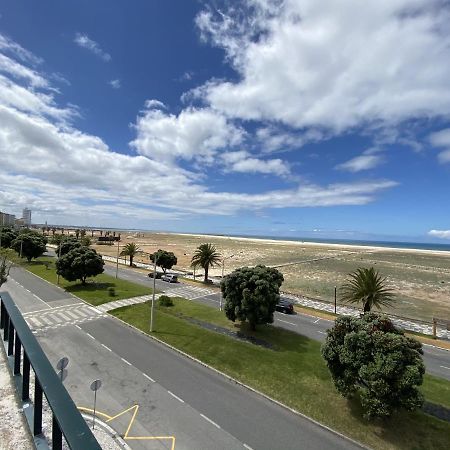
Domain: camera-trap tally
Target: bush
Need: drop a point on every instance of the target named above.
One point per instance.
(165, 300)
(368, 357)
(111, 291)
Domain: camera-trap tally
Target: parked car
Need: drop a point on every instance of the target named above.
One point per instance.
(170, 278)
(285, 306)
(158, 275)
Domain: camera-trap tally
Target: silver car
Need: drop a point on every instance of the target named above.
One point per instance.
(170, 278)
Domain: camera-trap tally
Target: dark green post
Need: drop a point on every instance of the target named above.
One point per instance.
(56, 435)
(26, 377)
(17, 354)
(37, 419)
(10, 338)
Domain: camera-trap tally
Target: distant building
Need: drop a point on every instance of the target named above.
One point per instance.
(26, 216)
(7, 220)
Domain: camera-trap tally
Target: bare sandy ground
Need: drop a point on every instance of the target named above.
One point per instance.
(419, 278)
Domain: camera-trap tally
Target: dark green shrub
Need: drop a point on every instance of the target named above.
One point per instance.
(164, 300)
(111, 291)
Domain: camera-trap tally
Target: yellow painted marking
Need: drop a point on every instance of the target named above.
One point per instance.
(126, 435)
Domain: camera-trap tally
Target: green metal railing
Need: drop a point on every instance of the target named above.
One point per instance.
(67, 420)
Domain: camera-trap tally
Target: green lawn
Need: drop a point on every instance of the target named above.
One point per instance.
(294, 373)
(95, 291)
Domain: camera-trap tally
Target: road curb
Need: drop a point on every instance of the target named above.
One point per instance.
(240, 383)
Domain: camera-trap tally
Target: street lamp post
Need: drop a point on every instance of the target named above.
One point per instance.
(21, 246)
(117, 261)
(59, 256)
(153, 295)
(335, 299)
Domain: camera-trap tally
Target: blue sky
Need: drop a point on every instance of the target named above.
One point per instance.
(284, 118)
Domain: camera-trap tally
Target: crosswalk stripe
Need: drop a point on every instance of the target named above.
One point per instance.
(72, 314)
(34, 321)
(63, 316)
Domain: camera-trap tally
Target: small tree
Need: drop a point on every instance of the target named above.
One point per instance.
(252, 294)
(164, 259)
(206, 255)
(131, 250)
(79, 264)
(368, 356)
(367, 287)
(66, 245)
(5, 267)
(30, 245)
(7, 236)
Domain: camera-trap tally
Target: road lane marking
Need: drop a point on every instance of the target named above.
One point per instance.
(78, 327)
(285, 321)
(90, 335)
(176, 396)
(448, 368)
(321, 332)
(210, 421)
(107, 348)
(149, 378)
(126, 362)
(247, 447)
(317, 320)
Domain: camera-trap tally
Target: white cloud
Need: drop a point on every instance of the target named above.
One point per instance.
(17, 70)
(153, 103)
(333, 64)
(70, 174)
(442, 234)
(362, 162)
(84, 41)
(242, 161)
(115, 84)
(195, 134)
(9, 46)
(442, 139)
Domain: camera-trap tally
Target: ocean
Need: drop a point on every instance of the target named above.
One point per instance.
(393, 244)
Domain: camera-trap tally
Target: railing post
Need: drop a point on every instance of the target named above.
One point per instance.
(26, 377)
(17, 355)
(6, 326)
(10, 338)
(2, 314)
(434, 327)
(37, 419)
(56, 435)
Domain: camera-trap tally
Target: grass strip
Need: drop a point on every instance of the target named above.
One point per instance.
(294, 373)
(95, 291)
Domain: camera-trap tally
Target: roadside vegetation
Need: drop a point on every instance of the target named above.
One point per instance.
(290, 369)
(96, 291)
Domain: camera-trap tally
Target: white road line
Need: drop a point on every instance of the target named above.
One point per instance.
(77, 326)
(34, 321)
(149, 378)
(46, 321)
(285, 321)
(60, 314)
(317, 320)
(210, 421)
(176, 396)
(247, 447)
(321, 332)
(107, 348)
(125, 361)
(72, 314)
(90, 335)
(448, 368)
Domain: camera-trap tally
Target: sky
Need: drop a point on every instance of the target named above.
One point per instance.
(291, 118)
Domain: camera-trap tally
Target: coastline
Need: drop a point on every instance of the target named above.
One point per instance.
(348, 247)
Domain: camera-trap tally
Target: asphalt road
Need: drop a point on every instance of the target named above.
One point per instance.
(437, 360)
(177, 396)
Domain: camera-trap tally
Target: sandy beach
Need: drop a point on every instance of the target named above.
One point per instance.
(420, 278)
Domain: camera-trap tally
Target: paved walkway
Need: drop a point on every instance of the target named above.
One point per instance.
(405, 324)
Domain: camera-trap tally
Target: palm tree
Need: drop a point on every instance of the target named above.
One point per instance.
(130, 250)
(368, 287)
(206, 255)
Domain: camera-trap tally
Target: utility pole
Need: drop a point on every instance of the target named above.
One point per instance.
(59, 256)
(153, 296)
(335, 299)
(117, 262)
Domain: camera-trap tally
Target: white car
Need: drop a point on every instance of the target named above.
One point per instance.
(170, 278)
